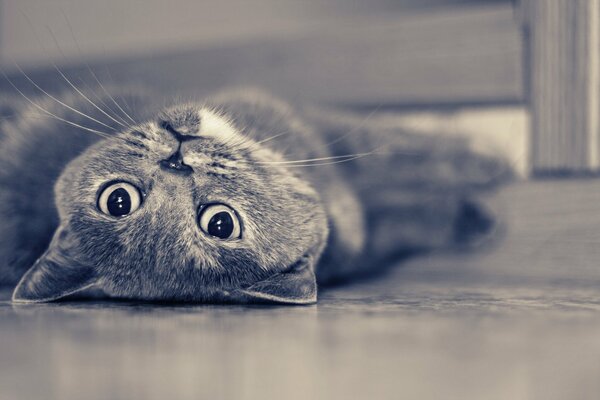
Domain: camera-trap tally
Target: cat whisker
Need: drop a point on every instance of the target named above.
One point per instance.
(87, 98)
(33, 30)
(49, 114)
(273, 137)
(99, 99)
(100, 133)
(356, 128)
(85, 128)
(310, 160)
(70, 27)
(307, 160)
(333, 141)
(59, 101)
(75, 87)
(111, 97)
(322, 163)
(27, 115)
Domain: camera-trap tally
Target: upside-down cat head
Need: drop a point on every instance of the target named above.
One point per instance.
(184, 207)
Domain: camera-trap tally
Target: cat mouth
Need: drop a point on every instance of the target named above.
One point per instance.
(175, 164)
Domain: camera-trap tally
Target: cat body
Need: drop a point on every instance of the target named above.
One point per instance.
(306, 194)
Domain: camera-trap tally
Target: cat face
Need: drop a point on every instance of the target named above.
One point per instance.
(183, 207)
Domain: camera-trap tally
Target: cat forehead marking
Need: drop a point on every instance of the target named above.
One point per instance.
(214, 125)
(190, 121)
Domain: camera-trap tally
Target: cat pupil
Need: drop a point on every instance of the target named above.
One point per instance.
(221, 225)
(119, 203)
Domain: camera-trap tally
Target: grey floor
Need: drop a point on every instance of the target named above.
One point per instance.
(519, 320)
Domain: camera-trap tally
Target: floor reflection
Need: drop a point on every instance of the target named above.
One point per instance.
(358, 342)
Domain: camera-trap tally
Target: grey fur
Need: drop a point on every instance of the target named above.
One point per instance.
(301, 224)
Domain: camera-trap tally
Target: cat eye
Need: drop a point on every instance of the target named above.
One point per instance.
(220, 221)
(119, 199)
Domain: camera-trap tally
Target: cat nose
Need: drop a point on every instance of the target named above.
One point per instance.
(175, 164)
(181, 133)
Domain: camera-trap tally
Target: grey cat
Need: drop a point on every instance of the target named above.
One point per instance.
(237, 198)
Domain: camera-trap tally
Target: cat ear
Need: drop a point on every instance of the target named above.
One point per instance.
(55, 274)
(295, 286)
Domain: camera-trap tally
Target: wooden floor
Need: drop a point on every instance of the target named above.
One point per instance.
(520, 320)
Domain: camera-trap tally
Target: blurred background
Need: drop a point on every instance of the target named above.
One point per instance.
(436, 66)
(395, 52)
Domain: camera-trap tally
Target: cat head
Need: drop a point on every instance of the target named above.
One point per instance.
(184, 207)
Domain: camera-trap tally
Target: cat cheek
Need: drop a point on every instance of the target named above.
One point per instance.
(54, 275)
